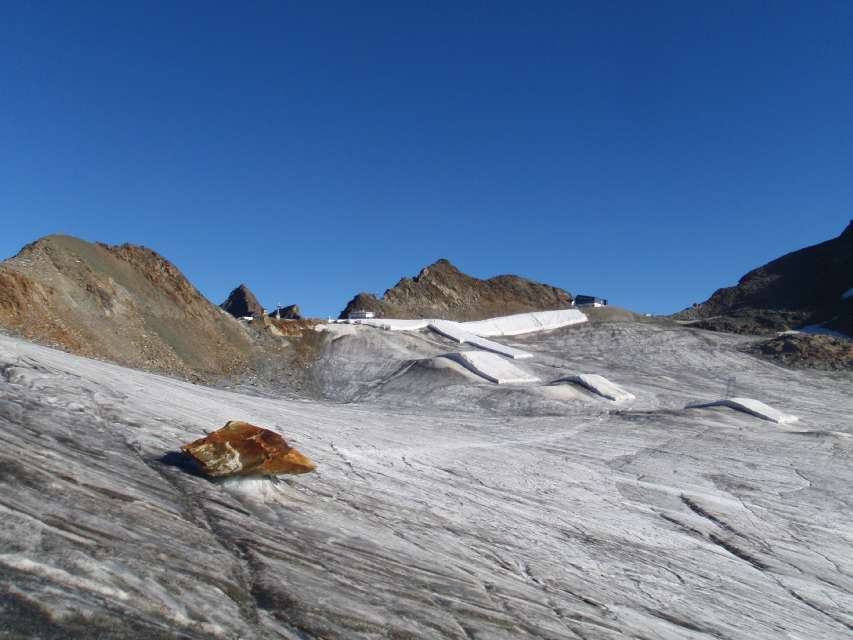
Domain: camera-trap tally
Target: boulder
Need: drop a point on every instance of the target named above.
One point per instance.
(240, 448)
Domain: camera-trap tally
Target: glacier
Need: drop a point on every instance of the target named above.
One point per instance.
(442, 507)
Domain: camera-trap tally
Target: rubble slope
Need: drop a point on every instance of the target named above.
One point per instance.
(125, 303)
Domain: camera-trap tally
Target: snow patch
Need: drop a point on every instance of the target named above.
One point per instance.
(258, 488)
(750, 406)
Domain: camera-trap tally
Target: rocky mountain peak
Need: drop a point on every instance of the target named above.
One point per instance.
(124, 303)
(242, 302)
(440, 290)
(442, 264)
(441, 268)
(797, 289)
(51, 244)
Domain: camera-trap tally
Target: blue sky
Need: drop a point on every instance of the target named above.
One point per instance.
(646, 152)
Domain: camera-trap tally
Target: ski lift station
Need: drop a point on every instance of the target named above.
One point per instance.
(361, 315)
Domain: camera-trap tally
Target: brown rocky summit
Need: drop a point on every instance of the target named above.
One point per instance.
(241, 302)
(125, 303)
(443, 291)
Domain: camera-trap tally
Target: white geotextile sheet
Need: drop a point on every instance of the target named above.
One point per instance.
(455, 331)
(492, 367)
(491, 345)
(502, 326)
(751, 406)
(525, 323)
(476, 333)
(390, 324)
(600, 385)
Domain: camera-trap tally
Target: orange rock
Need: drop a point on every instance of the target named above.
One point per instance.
(240, 448)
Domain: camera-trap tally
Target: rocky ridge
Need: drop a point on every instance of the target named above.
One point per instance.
(804, 287)
(126, 304)
(443, 291)
(806, 351)
(290, 312)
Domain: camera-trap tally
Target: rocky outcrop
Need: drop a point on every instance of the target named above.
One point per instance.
(801, 288)
(443, 291)
(240, 449)
(241, 303)
(290, 312)
(752, 321)
(367, 302)
(126, 304)
(806, 351)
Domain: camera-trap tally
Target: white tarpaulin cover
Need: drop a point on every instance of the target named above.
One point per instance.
(748, 405)
(600, 385)
(492, 367)
(502, 326)
(454, 331)
(475, 333)
(525, 323)
(391, 324)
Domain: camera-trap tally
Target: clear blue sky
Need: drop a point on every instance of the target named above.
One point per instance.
(646, 152)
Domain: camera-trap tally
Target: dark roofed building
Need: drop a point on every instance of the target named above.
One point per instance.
(590, 301)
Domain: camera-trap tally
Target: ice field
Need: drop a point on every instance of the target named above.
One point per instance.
(444, 505)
